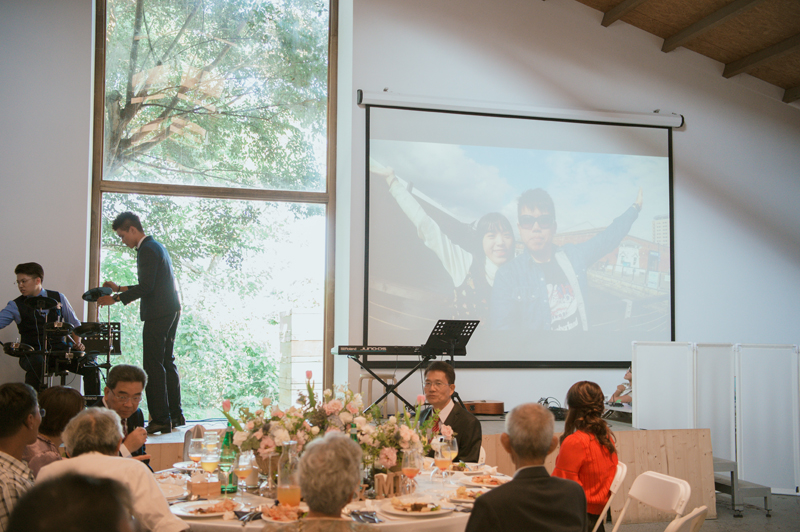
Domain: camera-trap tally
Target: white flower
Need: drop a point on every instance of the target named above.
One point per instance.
(280, 435)
(360, 421)
(392, 420)
(346, 417)
(239, 438)
(327, 393)
(314, 430)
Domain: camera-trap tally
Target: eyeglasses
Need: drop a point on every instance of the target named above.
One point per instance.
(545, 221)
(136, 399)
(22, 281)
(436, 384)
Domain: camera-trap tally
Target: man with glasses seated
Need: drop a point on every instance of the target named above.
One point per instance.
(122, 394)
(440, 384)
(545, 288)
(31, 322)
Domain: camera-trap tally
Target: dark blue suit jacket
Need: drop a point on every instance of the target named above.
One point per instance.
(156, 286)
(532, 501)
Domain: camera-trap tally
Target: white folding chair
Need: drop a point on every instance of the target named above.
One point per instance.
(663, 492)
(622, 470)
(690, 522)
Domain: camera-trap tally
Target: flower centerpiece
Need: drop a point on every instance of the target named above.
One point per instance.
(383, 442)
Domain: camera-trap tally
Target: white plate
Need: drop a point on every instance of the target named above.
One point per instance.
(387, 508)
(469, 482)
(185, 509)
(187, 466)
(476, 471)
(456, 498)
(171, 491)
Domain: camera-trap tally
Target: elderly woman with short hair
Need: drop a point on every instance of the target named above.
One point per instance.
(330, 474)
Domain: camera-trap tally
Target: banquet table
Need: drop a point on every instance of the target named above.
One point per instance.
(452, 522)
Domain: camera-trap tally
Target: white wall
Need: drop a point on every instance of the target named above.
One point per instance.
(737, 252)
(46, 79)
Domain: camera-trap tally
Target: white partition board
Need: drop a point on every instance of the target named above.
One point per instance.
(714, 391)
(768, 416)
(663, 385)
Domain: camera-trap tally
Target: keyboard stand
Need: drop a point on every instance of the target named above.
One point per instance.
(448, 338)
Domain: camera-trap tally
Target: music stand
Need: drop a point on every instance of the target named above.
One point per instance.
(106, 342)
(448, 338)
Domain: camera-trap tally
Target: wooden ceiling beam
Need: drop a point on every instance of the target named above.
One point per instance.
(791, 95)
(792, 44)
(619, 11)
(711, 21)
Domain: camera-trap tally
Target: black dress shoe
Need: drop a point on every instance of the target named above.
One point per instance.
(164, 428)
(178, 421)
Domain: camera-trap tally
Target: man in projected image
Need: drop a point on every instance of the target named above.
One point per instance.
(545, 288)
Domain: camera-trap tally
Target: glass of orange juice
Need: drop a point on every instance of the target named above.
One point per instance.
(288, 477)
(412, 464)
(243, 467)
(196, 451)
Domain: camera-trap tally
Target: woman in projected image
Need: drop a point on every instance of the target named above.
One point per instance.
(472, 274)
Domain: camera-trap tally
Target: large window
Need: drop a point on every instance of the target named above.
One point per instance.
(214, 132)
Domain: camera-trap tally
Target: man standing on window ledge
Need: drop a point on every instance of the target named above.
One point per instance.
(160, 310)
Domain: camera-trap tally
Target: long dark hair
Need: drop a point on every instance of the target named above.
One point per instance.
(585, 400)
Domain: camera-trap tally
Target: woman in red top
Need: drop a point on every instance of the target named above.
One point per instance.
(587, 454)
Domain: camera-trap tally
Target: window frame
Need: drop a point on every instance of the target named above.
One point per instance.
(327, 198)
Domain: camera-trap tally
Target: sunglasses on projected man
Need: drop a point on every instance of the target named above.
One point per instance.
(545, 221)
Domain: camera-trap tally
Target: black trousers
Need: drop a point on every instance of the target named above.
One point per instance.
(163, 382)
(85, 366)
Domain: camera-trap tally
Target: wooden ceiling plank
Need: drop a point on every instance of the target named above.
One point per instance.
(791, 95)
(701, 26)
(619, 11)
(790, 45)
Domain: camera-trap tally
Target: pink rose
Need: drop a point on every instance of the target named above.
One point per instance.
(250, 425)
(226, 405)
(420, 399)
(352, 408)
(308, 375)
(333, 407)
(388, 457)
(447, 432)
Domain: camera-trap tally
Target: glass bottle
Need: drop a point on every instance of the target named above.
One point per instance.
(229, 479)
(288, 481)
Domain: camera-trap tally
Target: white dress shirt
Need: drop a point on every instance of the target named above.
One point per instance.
(150, 507)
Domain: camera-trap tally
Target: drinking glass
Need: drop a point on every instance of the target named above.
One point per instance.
(210, 441)
(288, 481)
(196, 452)
(412, 464)
(243, 467)
(442, 459)
(210, 460)
(227, 458)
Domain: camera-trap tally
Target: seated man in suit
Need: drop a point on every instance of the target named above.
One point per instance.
(440, 384)
(533, 500)
(122, 394)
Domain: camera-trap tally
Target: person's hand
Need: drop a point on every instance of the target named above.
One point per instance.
(105, 301)
(79, 346)
(135, 439)
(638, 201)
(115, 287)
(620, 389)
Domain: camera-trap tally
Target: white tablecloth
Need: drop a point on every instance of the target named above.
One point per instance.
(454, 522)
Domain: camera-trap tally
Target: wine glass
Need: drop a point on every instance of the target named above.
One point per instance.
(412, 464)
(196, 452)
(227, 458)
(453, 450)
(443, 457)
(242, 468)
(210, 459)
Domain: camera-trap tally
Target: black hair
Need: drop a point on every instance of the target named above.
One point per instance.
(125, 221)
(536, 197)
(34, 269)
(17, 402)
(445, 368)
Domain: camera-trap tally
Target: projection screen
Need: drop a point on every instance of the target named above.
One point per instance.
(554, 234)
